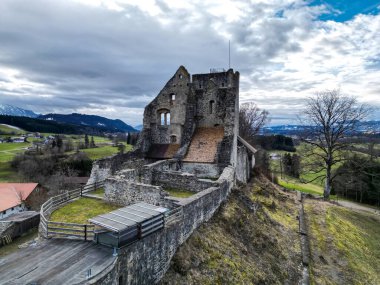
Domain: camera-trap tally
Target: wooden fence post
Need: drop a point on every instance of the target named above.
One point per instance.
(85, 232)
(95, 186)
(81, 190)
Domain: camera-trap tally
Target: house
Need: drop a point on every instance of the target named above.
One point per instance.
(18, 197)
(18, 140)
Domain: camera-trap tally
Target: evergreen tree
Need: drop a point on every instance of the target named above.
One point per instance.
(86, 141)
(92, 142)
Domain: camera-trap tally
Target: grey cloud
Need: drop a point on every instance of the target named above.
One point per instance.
(86, 56)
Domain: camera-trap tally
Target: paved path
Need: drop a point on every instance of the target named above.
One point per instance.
(55, 261)
(356, 206)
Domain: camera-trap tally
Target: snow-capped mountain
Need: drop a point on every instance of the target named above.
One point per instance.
(10, 110)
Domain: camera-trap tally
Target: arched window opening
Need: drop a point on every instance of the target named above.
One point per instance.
(162, 119)
(173, 139)
(180, 76)
(211, 106)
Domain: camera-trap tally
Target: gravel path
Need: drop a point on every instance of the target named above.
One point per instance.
(355, 206)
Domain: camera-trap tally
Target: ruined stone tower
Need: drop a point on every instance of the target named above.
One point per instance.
(195, 120)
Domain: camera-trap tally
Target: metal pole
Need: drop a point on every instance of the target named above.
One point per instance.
(229, 54)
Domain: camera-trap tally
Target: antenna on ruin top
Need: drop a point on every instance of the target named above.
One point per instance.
(229, 54)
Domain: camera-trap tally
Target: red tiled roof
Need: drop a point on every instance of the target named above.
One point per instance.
(11, 194)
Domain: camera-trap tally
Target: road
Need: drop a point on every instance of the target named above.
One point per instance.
(360, 207)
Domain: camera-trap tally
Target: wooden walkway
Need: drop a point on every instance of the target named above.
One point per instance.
(57, 261)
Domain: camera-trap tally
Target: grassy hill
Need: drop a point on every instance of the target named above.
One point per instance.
(253, 239)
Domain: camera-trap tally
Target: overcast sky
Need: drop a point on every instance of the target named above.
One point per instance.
(112, 57)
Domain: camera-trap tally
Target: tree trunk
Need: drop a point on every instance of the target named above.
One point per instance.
(327, 190)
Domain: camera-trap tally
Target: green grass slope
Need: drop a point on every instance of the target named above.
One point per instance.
(345, 245)
(252, 239)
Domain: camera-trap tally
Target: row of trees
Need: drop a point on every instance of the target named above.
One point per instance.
(358, 178)
(332, 117)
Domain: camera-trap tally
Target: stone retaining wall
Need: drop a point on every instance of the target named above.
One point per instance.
(147, 260)
(203, 170)
(180, 180)
(124, 192)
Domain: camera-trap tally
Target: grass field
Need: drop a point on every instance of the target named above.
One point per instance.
(79, 211)
(344, 245)
(104, 151)
(9, 150)
(98, 192)
(306, 188)
(7, 174)
(9, 130)
(179, 193)
(314, 187)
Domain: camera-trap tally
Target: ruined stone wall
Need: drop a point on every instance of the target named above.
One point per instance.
(202, 170)
(217, 96)
(106, 167)
(101, 170)
(147, 260)
(162, 165)
(180, 180)
(171, 99)
(125, 192)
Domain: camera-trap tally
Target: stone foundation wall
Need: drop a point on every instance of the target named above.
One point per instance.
(162, 165)
(180, 180)
(124, 192)
(106, 167)
(202, 170)
(147, 260)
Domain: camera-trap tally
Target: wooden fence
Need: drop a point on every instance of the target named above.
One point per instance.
(66, 230)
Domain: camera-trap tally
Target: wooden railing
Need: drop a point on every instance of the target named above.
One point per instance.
(50, 229)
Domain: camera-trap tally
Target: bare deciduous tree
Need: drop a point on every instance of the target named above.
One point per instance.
(331, 116)
(251, 120)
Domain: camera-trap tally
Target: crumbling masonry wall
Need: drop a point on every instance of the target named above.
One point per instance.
(147, 260)
(181, 181)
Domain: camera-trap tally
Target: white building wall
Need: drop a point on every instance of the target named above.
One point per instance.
(10, 211)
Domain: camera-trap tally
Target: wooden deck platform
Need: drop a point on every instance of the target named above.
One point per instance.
(56, 261)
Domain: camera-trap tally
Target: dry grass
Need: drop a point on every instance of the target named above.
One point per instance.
(344, 245)
(241, 245)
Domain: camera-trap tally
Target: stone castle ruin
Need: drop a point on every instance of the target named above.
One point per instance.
(189, 141)
(193, 123)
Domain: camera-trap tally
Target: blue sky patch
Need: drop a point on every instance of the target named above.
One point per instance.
(343, 10)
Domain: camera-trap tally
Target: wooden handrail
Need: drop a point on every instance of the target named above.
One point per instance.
(55, 202)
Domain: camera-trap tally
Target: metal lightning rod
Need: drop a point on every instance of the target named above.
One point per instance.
(229, 54)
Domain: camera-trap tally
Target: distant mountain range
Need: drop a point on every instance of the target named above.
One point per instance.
(89, 120)
(138, 127)
(81, 121)
(368, 127)
(10, 110)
